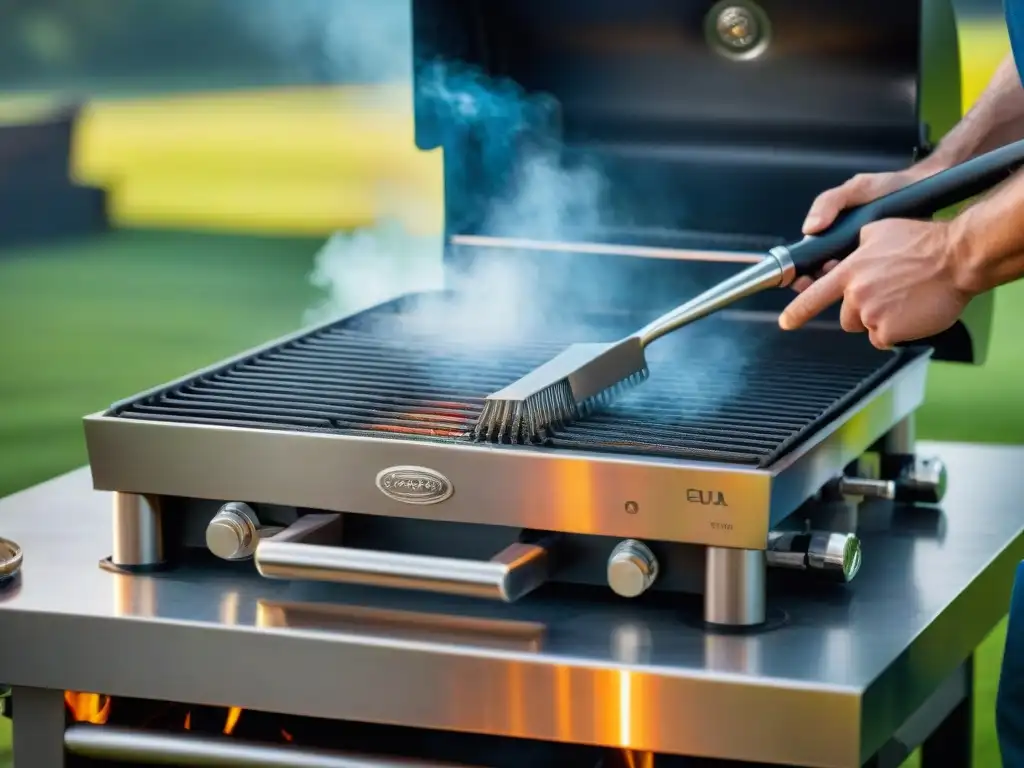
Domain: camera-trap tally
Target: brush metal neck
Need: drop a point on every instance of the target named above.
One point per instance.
(775, 270)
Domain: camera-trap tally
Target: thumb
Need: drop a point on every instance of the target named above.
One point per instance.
(818, 297)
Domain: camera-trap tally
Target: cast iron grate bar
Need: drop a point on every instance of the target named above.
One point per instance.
(737, 392)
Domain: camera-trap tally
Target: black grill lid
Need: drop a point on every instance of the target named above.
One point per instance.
(627, 123)
(650, 93)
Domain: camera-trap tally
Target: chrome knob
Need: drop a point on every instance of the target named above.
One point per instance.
(923, 482)
(632, 568)
(739, 29)
(233, 533)
(836, 556)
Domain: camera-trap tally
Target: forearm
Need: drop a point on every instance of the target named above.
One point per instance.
(997, 118)
(987, 239)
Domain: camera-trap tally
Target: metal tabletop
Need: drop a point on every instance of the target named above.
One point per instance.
(827, 688)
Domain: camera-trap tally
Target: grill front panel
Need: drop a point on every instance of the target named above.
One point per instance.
(726, 390)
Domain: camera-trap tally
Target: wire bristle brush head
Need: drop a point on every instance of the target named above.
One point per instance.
(581, 380)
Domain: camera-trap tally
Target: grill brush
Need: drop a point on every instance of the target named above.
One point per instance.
(587, 377)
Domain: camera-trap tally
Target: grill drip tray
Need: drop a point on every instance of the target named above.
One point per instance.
(731, 389)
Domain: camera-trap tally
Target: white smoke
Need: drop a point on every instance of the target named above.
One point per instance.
(340, 41)
(361, 269)
(494, 301)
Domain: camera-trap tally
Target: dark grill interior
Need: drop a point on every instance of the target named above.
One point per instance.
(728, 390)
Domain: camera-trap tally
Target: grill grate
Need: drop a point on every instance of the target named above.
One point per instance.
(732, 391)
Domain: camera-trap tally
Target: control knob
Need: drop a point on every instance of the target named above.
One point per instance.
(923, 482)
(632, 568)
(233, 533)
(833, 556)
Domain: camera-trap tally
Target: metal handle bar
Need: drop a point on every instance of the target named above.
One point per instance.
(191, 750)
(515, 571)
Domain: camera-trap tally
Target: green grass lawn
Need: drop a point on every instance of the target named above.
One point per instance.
(88, 322)
(85, 323)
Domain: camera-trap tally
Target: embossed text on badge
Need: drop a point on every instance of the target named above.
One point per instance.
(414, 485)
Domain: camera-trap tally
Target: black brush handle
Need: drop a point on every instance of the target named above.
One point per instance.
(922, 199)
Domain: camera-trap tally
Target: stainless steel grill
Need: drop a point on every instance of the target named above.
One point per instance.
(735, 391)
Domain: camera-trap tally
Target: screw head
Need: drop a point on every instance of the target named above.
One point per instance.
(632, 568)
(738, 29)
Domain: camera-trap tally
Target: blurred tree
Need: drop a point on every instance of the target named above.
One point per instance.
(42, 41)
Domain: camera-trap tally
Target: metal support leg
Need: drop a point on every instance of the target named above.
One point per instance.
(38, 728)
(734, 588)
(951, 745)
(138, 531)
(942, 727)
(898, 447)
(901, 438)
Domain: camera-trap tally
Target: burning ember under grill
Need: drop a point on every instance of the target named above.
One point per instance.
(742, 392)
(98, 709)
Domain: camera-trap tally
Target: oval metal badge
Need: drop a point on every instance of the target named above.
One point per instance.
(414, 485)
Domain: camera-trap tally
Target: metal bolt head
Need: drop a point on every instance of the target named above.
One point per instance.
(737, 27)
(632, 568)
(233, 533)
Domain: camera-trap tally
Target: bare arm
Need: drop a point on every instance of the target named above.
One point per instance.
(997, 118)
(988, 239)
(911, 279)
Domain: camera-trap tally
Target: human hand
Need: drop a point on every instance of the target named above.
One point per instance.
(903, 283)
(861, 189)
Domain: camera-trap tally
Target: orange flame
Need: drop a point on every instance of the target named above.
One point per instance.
(233, 714)
(636, 759)
(88, 707)
(285, 735)
(95, 708)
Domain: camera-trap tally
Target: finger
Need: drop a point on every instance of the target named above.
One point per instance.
(813, 301)
(802, 283)
(827, 205)
(879, 339)
(824, 209)
(849, 318)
